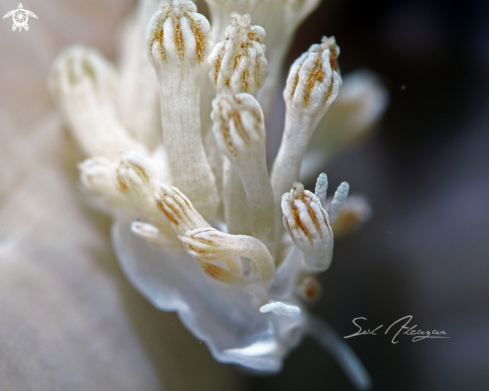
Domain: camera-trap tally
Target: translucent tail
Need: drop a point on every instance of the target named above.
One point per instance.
(325, 336)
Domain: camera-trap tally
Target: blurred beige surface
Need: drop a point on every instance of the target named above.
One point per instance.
(68, 317)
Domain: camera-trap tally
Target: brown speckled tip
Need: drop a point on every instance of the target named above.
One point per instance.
(162, 208)
(316, 76)
(176, 12)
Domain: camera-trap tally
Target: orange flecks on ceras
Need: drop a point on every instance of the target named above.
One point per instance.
(182, 210)
(199, 39)
(226, 135)
(185, 200)
(189, 246)
(213, 271)
(256, 75)
(330, 89)
(258, 122)
(158, 36)
(217, 67)
(162, 51)
(316, 75)
(307, 201)
(122, 185)
(206, 241)
(236, 61)
(205, 254)
(208, 255)
(298, 221)
(236, 118)
(175, 211)
(161, 207)
(333, 58)
(244, 80)
(178, 38)
(256, 115)
(296, 82)
(297, 193)
(220, 274)
(140, 170)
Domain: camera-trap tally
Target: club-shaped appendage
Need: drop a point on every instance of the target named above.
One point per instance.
(210, 245)
(314, 80)
(238, 63)
(178, 35)
(308, 225)
(178, 210)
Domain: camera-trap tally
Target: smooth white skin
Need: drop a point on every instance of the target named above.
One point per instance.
(236, 208)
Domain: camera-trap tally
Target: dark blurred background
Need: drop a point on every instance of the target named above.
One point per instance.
(425, 252)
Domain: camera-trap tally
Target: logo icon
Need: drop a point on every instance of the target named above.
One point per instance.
(20, 16)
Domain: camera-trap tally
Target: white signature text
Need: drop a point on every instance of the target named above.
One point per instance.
(404, 328)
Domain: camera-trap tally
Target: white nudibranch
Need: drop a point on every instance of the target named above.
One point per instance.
(198, 222)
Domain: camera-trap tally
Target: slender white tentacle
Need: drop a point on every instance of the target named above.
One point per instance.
(325, 336)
